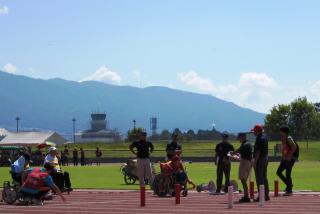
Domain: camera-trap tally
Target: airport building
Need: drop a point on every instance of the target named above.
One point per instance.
(99, 131)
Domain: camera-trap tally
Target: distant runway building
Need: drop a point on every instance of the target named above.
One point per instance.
(99, 131)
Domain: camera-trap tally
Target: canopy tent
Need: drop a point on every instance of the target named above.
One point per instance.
(31, 139)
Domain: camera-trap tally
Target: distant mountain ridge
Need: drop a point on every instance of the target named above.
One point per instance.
(51, 104)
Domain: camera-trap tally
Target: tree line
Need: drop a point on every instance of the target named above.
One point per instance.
(301, 116)
(187, 136)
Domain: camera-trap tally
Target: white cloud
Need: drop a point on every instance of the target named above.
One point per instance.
(252, 90)
(136, 76)
(194, 80)
(32, 70)
(260, 80)
(103, 74)
(10, 68)
(315, 90)
(4, 10)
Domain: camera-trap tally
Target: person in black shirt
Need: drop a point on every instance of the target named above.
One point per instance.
(143, 150)
(66, 155)
(82, 159)
(245, 153)
(75, 157)
(98, 153)
(223, 162)
(173, 148)
(260, 163)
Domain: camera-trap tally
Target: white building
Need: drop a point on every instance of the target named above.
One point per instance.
(31, 138)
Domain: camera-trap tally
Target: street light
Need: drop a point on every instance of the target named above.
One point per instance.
(17, 119)
(74, 129)
(134, 124)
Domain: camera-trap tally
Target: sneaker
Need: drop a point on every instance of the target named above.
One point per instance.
(244, 200)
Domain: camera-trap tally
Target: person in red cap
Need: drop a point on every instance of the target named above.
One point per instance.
(260, 163)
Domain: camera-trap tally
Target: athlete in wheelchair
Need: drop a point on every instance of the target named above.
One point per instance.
(10, 192)
(60, 178)
(172, 172)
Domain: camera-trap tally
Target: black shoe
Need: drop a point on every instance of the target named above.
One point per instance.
(244, 200)
(288, 193)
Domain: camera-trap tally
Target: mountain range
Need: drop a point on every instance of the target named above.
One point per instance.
(51, 105)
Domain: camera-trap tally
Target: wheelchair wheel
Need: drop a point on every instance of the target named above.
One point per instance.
(129, 180)
(122, 169)
(161, 185)
(185, 193)
(10, 195)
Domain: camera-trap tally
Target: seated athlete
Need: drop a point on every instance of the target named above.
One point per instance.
(176, 169)
(60, 178)
(18, 167)
(37, 184)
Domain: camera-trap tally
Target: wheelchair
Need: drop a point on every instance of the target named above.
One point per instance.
(164, 185)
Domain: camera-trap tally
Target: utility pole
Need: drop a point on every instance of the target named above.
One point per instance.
(134, 125)
(74, 129)
(17, 119)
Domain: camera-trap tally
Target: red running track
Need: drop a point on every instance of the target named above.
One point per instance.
(121, 202)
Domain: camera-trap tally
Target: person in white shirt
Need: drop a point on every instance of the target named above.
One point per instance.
(60, 178)
(18, 167)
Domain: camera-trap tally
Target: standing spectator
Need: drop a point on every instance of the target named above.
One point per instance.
(82, 159)
(143, 150)
(245, 153)
(66, 155)
(98, 156)
(260, 162)
(290, 154)
(223, 162)
(62, 159)
(173, 148)
(75, 157)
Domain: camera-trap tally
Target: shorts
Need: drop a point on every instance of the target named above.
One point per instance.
(244, 169)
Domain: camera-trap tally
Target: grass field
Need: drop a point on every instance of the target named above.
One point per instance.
(305, 174)
(308, 151)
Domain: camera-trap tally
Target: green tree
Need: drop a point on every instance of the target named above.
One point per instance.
(302, 116)
(165, 135)
(133, 134)
(278, 116)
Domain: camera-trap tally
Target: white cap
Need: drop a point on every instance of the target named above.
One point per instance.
(52, 149)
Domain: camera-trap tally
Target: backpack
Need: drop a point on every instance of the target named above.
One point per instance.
(297, 152)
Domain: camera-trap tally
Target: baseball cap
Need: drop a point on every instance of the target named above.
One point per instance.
(257, 128)
(52, 149)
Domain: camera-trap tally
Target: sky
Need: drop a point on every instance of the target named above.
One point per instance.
(256, 54)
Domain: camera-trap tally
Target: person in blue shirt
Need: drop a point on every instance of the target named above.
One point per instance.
(37, 184)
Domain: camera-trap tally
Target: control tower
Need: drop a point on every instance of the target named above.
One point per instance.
(98, 122)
